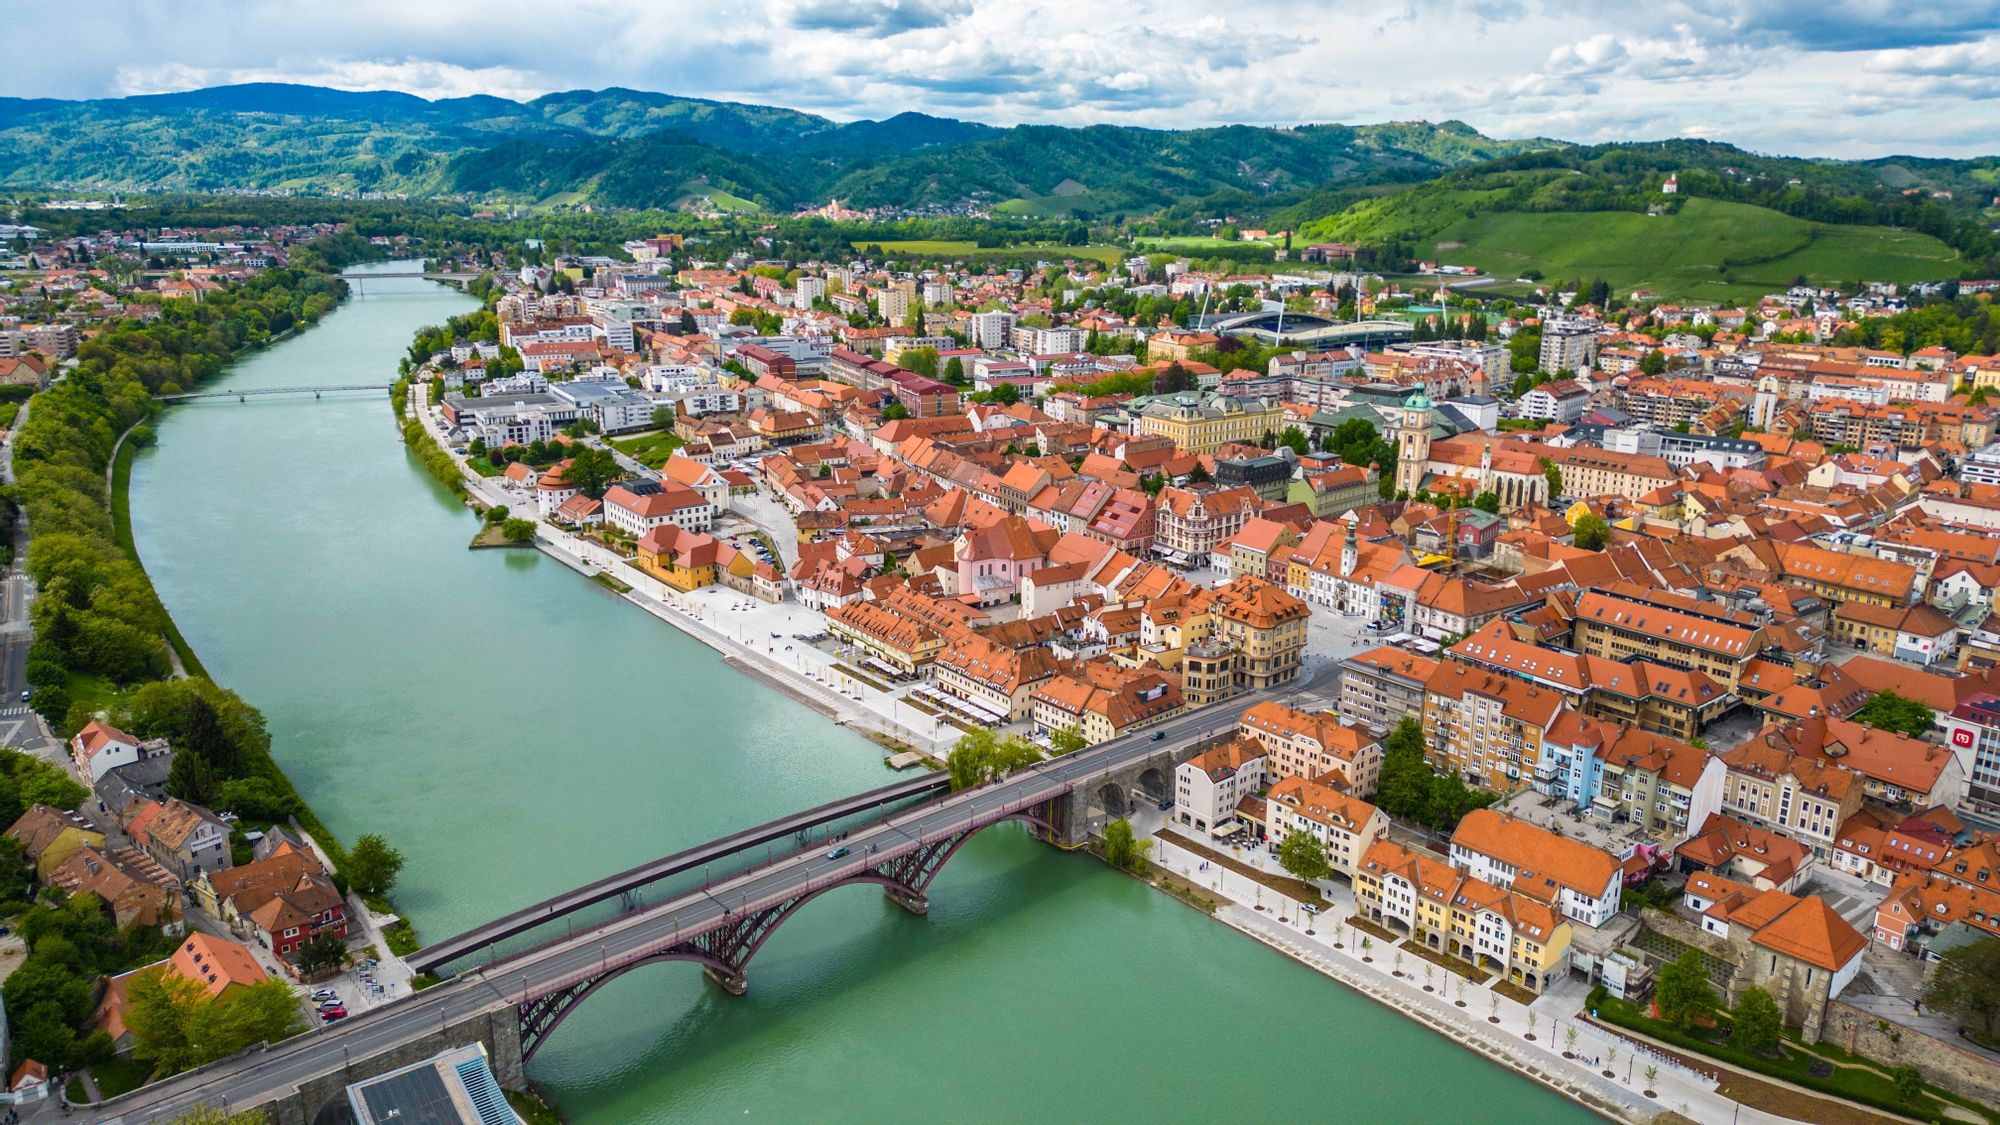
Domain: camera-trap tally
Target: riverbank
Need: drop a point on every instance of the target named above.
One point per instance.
(1522, 1038)
(751, 636)
(686, 613)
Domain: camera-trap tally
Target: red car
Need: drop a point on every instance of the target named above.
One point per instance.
(329, 1015)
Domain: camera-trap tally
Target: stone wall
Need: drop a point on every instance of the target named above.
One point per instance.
(499, 1030)
(1942, 1062)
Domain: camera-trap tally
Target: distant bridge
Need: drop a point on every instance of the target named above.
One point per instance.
(190, 396)
(358, 281)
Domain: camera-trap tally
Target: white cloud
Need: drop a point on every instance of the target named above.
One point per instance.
(1837, 77)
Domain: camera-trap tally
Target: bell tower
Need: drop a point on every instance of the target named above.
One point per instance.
(1413, 443)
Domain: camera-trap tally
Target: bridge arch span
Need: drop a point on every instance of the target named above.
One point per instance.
(724, 952)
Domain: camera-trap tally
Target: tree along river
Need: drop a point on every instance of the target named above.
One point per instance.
(517, 730)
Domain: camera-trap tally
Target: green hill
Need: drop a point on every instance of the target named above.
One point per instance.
(1708, 251)
(583, 144)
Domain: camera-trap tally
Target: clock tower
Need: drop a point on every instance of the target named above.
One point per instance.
(1413, 444)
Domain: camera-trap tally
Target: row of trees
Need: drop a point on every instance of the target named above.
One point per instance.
(98, 616)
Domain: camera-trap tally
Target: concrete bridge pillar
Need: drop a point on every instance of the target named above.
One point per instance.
(916, 903)
(734, 983)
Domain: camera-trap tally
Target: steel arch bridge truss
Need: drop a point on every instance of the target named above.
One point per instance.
(724, 951)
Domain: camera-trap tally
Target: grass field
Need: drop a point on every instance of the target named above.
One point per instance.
(1191, 243)
(650, 450)
(942, 248)
(1710, 250)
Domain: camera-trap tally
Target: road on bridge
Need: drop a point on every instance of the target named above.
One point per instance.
(270, 1075)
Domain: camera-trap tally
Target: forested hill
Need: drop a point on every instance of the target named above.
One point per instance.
(631, 148)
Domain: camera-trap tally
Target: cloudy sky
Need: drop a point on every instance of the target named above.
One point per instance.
(1811, 77)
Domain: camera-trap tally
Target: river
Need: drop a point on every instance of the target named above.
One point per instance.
(517, 730)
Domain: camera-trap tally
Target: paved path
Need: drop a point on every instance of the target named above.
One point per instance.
(1283, 925)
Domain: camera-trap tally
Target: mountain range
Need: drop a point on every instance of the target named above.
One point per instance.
(631, 148)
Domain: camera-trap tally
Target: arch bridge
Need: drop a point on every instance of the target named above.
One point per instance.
(513, 1003)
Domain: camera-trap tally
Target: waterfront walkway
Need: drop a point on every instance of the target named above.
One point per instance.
(1283, 926)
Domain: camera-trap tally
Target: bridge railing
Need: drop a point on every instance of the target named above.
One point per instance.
(553, 920)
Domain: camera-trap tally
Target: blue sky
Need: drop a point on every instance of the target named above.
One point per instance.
(1812, 77)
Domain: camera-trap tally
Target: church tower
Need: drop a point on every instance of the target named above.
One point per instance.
(1765, 406)
(1413, 444)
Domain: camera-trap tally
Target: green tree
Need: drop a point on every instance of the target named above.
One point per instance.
(1295, 439)
(372, 865)
(1487, 502)
(324, 953)
(1404, 784)
(1892, 711)
(1592, 533)
(664, 417)
(191, 779)
(1682, 994)
(498, 513)
(592, 470)
(1756, 1022)
(518, 531)
(1302, 854)
(1909, 1084)
(1066, 740)
(1121, 848)
(177, 1025)
(1967, 987)
(1553, 473)
(894, 411)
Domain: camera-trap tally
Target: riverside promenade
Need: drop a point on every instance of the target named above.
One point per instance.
(1326, 944)
(756, 637)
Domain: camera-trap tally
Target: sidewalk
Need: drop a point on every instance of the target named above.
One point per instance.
(1281, 924)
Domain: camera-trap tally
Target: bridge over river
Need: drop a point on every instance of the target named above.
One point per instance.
(250, 392)
(893, 838)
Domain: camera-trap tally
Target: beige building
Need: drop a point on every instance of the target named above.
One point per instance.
(1267, 628)
(1315, 747)
(1622, 630)
(1346, 826)
(1486, 727)
(1197, 424)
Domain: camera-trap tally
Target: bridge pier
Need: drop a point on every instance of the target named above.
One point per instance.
(735, 983)
(916, 902)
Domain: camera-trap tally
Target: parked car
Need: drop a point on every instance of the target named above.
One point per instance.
(332, 1015)
(325, 994)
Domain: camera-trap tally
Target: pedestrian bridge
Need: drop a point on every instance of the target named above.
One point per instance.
(519, 977)
(249, 392)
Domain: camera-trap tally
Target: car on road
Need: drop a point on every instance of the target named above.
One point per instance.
(1159, 736)
(25, 693)
(839, 852)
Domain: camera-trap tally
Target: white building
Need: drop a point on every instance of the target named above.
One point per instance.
(1581, 882)
(1209, 787)
(990, 330)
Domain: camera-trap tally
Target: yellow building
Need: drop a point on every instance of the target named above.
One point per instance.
(1520, 937)
(683, 559)
(1203, 425)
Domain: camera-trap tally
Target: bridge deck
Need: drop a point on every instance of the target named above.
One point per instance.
(527, 918)
(275, 1072)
